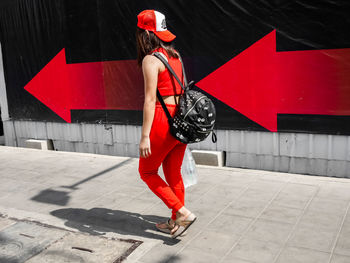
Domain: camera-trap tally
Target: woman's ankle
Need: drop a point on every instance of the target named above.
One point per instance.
(183, 211)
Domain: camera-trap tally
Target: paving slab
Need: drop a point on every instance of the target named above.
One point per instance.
(162, 253)
(340, 259)
(272, 231)
(248, 207)
(227, 223)
(255, 250)
(291, 200)
(343, 243)
(274, 212)
(202, 241)
(313, 238)
(193, 255)
(328, 205)
(321, 220)
(302, 255)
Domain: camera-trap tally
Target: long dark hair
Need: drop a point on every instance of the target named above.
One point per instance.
(145, 43)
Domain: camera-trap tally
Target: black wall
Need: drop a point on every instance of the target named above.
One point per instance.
(209, 33)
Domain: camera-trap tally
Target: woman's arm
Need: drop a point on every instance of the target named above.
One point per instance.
(150, 68)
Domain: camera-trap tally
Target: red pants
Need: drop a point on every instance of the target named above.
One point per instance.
(169, 152)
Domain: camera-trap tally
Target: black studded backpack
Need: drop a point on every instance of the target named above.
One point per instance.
(195, 118)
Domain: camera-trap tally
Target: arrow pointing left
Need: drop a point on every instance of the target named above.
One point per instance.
(94, 85)
(261, 83)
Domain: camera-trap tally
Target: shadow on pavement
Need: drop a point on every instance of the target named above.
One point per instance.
(51, 196)
(56, 197)
(98, 221)
(8, 260)
(74, 186)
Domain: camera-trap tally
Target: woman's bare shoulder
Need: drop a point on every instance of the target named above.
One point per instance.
(149, 60)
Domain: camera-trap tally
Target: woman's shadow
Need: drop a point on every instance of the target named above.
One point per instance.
(98, 221)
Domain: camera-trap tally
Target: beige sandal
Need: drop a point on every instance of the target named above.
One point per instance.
(168, 229)
(185, 223)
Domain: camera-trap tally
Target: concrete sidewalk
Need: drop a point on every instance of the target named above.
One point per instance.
(243, 215)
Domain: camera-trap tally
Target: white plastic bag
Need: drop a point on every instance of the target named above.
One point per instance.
(188, 169)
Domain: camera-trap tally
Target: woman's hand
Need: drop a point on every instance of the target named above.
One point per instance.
(145, 147)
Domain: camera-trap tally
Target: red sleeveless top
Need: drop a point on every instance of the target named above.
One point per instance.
(167, 84)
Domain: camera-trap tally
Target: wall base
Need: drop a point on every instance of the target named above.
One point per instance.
(316, 154)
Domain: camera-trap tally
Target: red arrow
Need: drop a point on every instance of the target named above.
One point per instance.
(261, 82)
(96, 85)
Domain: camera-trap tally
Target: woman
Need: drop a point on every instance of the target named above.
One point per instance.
(157, 145)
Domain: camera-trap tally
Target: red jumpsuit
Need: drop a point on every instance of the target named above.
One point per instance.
(165, 149)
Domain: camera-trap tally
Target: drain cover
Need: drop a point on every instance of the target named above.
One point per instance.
(4, 222)
(83, 248)
(21, 241)
(34, 243)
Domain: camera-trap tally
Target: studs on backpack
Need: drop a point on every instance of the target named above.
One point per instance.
(179, 135)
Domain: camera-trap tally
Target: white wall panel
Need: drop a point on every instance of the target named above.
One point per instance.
(317, 154)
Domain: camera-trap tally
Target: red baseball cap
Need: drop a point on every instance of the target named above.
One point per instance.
(155, 21)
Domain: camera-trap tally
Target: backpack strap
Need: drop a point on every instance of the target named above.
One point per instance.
(164, 59)
(163, 105)
(161, 56)
(183, 71)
